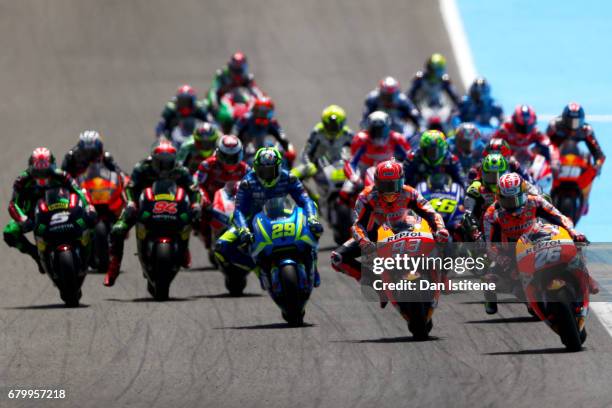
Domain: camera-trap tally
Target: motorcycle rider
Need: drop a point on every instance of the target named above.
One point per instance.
(388, 200)
(267, 180)
(225, 166)
(200, 146)
(389, 98)
(432, 82)
(260, 122)
(521, 132)
(161, 164)
(331, 137)
(513, 214)
(183, 105)
(466, 145)
(432, 156)
(31, 185)
(236, 74)
(571, 125)
(478, 106)
(502, 147)
(88, 150)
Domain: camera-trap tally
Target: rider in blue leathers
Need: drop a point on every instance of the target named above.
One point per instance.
(266, 181)
(478, 106)
(389, 98)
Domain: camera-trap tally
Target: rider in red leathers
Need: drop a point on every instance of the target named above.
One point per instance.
(387, 200)
(225, 166)
(521, 132)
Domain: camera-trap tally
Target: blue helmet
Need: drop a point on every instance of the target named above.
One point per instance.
(480, 90)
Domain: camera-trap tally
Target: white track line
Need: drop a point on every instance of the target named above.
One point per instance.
(467, 71)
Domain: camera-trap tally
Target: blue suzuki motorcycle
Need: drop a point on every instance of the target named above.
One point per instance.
(284, 251)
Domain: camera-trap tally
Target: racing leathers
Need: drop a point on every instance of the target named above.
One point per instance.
(26, 193)
(520, 143)
(249, 132)
(370, 212)
(481, 113)
(422, 90)
(559, 134)
(467, 159)
(224, 83)
(417, 170)
(143, 176)
(250, 200)
(402, 111)
(190, 156)
(211, 176)
(171, 117)
(76, 164)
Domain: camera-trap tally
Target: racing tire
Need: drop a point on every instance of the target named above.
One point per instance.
(70, 290)
(235, 282)
(418, 324)
(292, 298)
(163, 264)
(100, 258)
(568, 206)
(565, 320)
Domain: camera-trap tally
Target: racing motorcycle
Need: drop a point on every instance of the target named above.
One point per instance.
(104, 189)
(162, 233)
(329, 178)
(259, 141)
(285, 251)
(446, 197)
(555, 288)
(436, 111)
(63, 237)
(538, 167)
(182, 131)
(233, 106)
(221, 211)
(572, 184)
(412, 237)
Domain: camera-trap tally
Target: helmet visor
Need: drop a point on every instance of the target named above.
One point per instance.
(524, 128)
(512, 202)
(205, 144)
(267, 173)
(433, 154)
(490, 178)
(464, 145)
(164, 162)
(389, 186)
(379, 133)
(333, 125)
(230, 159)
(573, 123)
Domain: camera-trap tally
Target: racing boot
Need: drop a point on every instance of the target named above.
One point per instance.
(113, 271)
(31, 250)
(593, 285)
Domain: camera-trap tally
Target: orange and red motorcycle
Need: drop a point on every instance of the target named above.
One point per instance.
(573, 181)
(555, 281)
(104, 189)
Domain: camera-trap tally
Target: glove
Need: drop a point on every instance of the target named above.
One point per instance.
(578, 236)
(315, 226)
(245, 236)
(441, 236)
(367, 246)
(27, 225)
(120, 229)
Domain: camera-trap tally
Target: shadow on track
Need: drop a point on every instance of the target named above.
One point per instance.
(269, 326)
(550, 350)
(386, 340)
(227, 296)
(150, 300)
(46, 307)
(518, 319)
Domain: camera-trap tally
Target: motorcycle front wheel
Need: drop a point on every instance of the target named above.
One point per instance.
(162, 261)
(293, 304)
(68, 282)
(565, 320)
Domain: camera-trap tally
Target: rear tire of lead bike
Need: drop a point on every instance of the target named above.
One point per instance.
(163, 265)
(69, 287)
(235, 282)
(101, 251)
(418, 324)
(293, 305)
(569, 207)
(566, 321)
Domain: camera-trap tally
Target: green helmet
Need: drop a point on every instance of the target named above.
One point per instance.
(205, 137)
(267, 165)
(435, 66)
(492, 168)
(433, 147)
(333, 119)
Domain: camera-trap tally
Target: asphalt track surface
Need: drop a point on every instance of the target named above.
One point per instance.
(70, 65)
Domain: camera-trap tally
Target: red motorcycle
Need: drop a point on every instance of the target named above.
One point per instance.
(538, 167)
(572, 184)
(105, 190)
(233, 106)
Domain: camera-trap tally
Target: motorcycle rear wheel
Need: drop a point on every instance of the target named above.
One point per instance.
(566, 321)
(293, 306)
(163, 265)
(418, 324)
(100, 256)
(69, 287)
